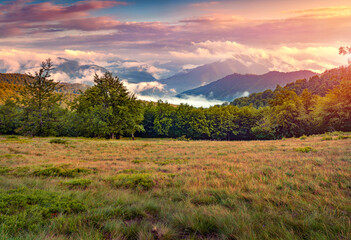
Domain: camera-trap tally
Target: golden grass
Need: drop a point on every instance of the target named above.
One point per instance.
(282, 192)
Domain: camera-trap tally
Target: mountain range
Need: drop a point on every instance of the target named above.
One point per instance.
(222, 80)
(238, 85)
(83, 73)
(208, 73)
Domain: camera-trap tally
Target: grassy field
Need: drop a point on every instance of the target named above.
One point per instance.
(75, 188)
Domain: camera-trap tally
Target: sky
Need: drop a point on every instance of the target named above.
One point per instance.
(166, 36)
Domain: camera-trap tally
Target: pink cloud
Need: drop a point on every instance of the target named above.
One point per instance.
(89, 24)
(20, 10)
(322, 26)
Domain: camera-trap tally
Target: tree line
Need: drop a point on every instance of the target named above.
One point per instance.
(108, 110)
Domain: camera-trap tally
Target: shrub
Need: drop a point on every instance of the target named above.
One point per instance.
(59, 141)
(77, 183)
(139, 180)
(304, 149)
(304, 137)
(183, 138)
(327, 138)
(61, 172)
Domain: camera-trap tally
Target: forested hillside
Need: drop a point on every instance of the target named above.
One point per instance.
(11, 83)
(318, 85)
(8, 90)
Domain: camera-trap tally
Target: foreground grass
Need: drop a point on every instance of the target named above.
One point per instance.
(76, 188)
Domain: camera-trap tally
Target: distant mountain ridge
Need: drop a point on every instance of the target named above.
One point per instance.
(79, 72)
(236, 85)
(208, 73)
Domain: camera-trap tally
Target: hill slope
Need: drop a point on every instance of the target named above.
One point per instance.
(318, 84)
(11, 83)
(235, 85)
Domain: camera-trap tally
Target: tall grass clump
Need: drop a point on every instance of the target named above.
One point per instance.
(142, 181)
(305, 149)
(77, 183)
(61, 172)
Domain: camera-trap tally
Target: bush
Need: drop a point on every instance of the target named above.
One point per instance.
(304, 137)
(304, 149)
(183, 138)
(327, 138)
(58, 141)
(139, 180)
(61, 172)
(78, 183)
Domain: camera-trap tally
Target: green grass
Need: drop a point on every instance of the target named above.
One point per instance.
(166, 189)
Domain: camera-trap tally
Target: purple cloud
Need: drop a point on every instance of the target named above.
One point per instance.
(21, 11)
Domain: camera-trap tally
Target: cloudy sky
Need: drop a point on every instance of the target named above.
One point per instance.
(165, 36)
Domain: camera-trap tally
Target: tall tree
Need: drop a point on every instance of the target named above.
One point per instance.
(40, 102)
(334, 111)
(108, 110)
(288, 112)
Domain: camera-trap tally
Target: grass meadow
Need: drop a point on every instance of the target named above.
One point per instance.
(77, 188)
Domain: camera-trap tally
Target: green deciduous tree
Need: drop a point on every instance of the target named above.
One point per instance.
(334, 111)
(287, 114)
(223, 122)
(190, 122)
(108, 110)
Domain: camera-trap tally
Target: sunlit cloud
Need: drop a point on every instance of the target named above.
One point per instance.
(283, 58)
(329, 12)
(143, 86)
